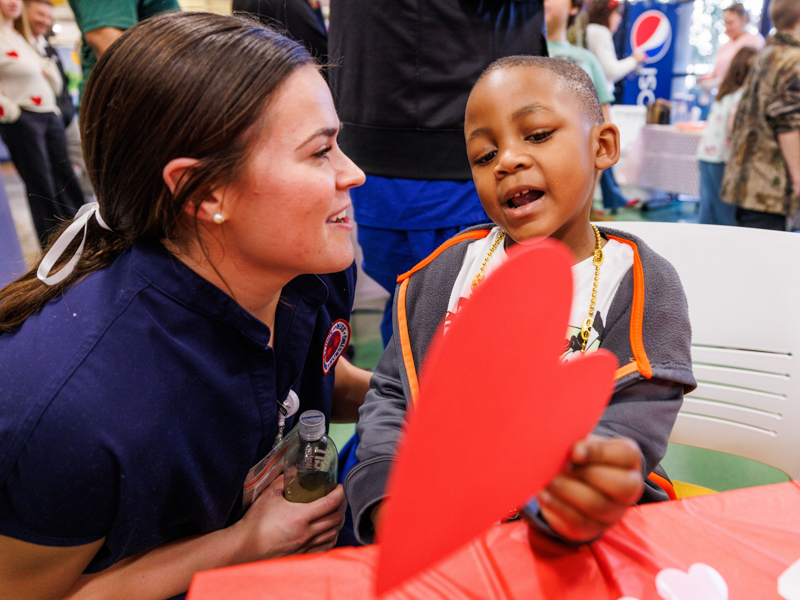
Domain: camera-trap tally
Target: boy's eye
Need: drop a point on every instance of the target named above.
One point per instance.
(540, 136)
(485, 158)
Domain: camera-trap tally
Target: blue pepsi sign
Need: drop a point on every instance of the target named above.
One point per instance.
(652, 31)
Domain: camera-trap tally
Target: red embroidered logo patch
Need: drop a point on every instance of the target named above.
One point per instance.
(37, 100)
(12, 54)
(337, 341)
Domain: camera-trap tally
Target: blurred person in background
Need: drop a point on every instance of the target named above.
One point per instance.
(103, 21)
(39, 14)
(736, 19)
(762, 178)
(715, 147)
(302, 20)
(31, 125)
(401, 85)
(605, 18)
(560, 16)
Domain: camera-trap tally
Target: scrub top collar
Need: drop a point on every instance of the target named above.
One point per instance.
(153, 262)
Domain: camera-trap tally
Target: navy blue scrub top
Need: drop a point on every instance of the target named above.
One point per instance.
(133, 406)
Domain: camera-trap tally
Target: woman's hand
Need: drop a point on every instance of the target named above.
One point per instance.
(274, 527)
(593, 491)
(639, 55)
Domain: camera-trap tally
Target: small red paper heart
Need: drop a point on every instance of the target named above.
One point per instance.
(37, 100)
(497, 415)
(12, 54)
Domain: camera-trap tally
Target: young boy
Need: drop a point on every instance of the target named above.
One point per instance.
(537, 144)
(762, 178)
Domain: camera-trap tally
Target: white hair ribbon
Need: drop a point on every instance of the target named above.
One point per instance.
(50, 259)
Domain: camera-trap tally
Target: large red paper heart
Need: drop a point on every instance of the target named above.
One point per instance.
(12, 54)
(497, 413)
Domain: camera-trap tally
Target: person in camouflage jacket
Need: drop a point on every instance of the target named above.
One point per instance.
(762, 178)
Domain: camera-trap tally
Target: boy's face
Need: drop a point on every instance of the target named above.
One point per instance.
(534, 155)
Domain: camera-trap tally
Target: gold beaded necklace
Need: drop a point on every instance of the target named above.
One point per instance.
(586, 328)
(476, 281)
(596, 261)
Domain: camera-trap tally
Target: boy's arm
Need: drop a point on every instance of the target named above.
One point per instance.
(789, 143)
(380, 421)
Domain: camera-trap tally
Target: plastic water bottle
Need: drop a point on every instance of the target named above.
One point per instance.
(311, 463)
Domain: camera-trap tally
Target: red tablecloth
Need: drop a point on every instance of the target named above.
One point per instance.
(749, 536)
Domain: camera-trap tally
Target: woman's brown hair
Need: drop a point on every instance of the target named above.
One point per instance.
(737, 73)
(176, 85)
(600, 11)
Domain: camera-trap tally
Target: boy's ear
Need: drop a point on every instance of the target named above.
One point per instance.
(173, 174)
(607, 136)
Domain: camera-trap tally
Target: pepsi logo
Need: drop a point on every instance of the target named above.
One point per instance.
(652, 34)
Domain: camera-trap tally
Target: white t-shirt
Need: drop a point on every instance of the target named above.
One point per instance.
(600, 41)
(618, 259)
(715, 147)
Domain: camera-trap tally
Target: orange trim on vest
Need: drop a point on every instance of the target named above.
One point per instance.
(664, 484)
(469, 235)
(405, 342)
(626, 370)
(637, 312)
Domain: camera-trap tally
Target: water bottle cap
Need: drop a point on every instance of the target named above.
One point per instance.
(312, 425)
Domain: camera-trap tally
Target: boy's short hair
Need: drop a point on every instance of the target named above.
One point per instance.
(575, 4)
(570, 75)
(784, 14)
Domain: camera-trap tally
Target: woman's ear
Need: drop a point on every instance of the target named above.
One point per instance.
(173, 175)
(607, 136)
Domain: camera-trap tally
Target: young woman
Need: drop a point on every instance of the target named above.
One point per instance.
(31, 126)
(604, 20)
(145, 358)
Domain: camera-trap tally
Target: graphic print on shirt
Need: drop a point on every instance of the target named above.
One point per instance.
(572, 345)
(337, 341)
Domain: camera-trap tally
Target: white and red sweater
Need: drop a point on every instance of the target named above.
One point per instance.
(27, 80)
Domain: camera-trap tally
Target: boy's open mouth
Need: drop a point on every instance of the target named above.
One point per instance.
(524, 197)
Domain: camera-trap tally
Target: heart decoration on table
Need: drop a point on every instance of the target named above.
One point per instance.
(12, 54)
(789, 582)
(497, 413)
(702, 582)
(37, 100)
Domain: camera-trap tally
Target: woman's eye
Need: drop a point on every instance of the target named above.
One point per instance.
(540, 136)
(485, 158)
(323, 153)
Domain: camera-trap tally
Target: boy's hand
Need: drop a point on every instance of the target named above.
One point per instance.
(593, 491)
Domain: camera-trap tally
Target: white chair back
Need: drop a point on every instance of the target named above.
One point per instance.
(743, 295)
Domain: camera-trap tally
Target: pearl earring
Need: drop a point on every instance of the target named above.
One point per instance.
(218, 218)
